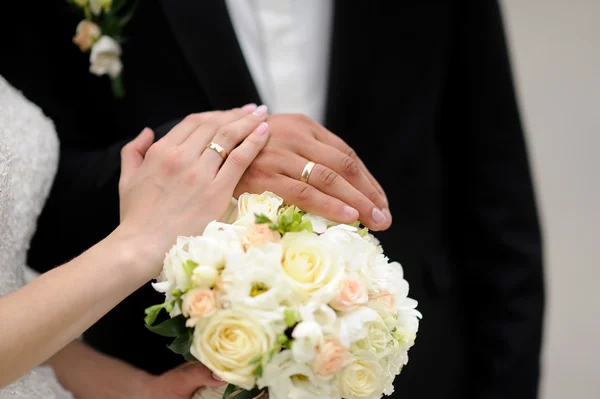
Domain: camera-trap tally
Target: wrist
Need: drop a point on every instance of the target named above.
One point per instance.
(140, 253)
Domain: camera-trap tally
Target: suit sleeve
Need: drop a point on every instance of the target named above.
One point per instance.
(497, 246)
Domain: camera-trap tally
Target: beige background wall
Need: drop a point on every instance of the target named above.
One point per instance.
(555, 47)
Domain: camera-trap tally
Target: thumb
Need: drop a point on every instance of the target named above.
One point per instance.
(185, 380)
(132, 154)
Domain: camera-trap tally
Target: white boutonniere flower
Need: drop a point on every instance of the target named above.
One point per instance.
(100, 33)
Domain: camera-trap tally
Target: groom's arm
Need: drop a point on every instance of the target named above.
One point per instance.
(498, 248)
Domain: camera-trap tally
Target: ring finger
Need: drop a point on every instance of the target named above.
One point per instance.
(331, 183)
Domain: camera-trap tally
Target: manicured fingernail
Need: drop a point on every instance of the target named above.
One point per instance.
(260, 111)
(378, 217)
(249, 107)
(217, 378)
(387, 213)
(262, 128)
(350, 212)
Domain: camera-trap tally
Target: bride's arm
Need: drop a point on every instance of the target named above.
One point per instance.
(170, 190)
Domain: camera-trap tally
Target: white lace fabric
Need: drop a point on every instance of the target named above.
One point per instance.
(28, 161)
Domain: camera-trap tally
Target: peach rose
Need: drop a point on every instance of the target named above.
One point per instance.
(331, 356)
(86, 33)
(351, 295)
(386, 298)
(199, 303)
(258, 234)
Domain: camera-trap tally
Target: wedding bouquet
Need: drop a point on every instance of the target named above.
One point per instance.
(289, 304)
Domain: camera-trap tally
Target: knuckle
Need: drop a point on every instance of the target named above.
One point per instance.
(259, 173)
(349, 165)
(173, 160)
(154, 151)
(350, 152)
(328, 177)
(225, 133)
(373, 196)
(237, 159)
(303, 191)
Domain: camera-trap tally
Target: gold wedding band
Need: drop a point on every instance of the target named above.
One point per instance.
(306, 172)
(214, 146)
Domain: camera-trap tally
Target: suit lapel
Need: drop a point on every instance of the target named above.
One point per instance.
(206, 37)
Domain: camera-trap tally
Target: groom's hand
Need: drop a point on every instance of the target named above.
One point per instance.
(180, 383)
(339, 188)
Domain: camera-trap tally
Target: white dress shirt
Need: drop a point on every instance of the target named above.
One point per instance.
(286, 45)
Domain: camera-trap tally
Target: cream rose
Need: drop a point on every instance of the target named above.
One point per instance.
(351, 295)
(362, 378)
(199, 303)
(250, 205)
(311, 265)
(258, 234)
(86, 33)
(378, 339)
(227, 344)
(331, 356)
(105, 57)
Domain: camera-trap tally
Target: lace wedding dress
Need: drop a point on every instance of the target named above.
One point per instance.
(28, 161)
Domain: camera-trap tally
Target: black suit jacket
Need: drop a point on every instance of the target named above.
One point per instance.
(422, 91)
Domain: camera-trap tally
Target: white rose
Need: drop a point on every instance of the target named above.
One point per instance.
(228, 342)
(250, 205)
(96, 6)
(378, 338)
(288, 379)
(363, 378)
(206, 251)
(230, 237)
(105, 57)
(307, 337)
(350, 326)
(312, 266)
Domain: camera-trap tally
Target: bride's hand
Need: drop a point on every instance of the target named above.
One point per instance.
(177, 185)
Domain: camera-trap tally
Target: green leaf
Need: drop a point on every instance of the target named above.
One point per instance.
(189, 357)
(117, 86)
(171, 328)
(170, 305)
(282, 339)
(289, 315)
(258, 371)
(256, 359)
(270, 353)
(181, 344)
(230, 390)
(152, 313)
(261, 219)
(363, 232)
(189, 266)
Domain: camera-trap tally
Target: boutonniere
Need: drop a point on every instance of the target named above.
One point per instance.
(100, 34)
